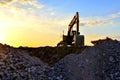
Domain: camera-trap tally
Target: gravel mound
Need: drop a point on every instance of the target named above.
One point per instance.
(101, 62)
(16, 64)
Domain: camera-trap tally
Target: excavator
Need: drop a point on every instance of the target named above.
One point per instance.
(73, 37)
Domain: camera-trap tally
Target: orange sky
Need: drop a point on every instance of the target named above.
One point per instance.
(31, 23)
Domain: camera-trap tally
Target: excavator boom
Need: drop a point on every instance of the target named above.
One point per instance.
(75, 20)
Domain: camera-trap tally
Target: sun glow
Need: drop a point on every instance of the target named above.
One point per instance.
(2, 34)
(28, 24)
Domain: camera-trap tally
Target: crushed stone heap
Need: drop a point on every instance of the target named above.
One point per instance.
(100, 62)
(16, 64)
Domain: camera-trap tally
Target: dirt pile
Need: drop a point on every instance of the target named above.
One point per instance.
(100, 62)
(52, 55)
(16, 64)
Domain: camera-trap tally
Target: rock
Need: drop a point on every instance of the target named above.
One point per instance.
(100, 62)
(19, 65)
(111, 59)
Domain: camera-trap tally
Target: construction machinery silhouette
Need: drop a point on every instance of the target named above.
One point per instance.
(73, 37)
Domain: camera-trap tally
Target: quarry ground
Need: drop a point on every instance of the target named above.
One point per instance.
(52, 55)
(100, 62)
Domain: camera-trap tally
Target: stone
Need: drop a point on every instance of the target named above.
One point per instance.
(100, 62)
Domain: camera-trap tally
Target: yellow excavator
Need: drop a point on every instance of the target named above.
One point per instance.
(73, 37)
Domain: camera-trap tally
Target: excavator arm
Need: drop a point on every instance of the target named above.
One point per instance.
(75, 20)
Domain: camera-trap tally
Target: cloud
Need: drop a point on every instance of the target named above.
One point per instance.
(16, 22)
(5, 3)
(100, 20)
(42, 22)
(34, 3)
(114, 16)
(92, 22)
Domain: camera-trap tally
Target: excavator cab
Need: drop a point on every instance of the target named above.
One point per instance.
(74, 32)
(73, 37)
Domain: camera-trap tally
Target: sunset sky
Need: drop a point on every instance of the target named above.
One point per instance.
(36, 23)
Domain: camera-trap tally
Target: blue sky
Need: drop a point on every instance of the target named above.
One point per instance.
(90, 9)
(40, 20)
(93, 7)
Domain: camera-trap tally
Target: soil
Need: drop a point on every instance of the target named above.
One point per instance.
(99, 62)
